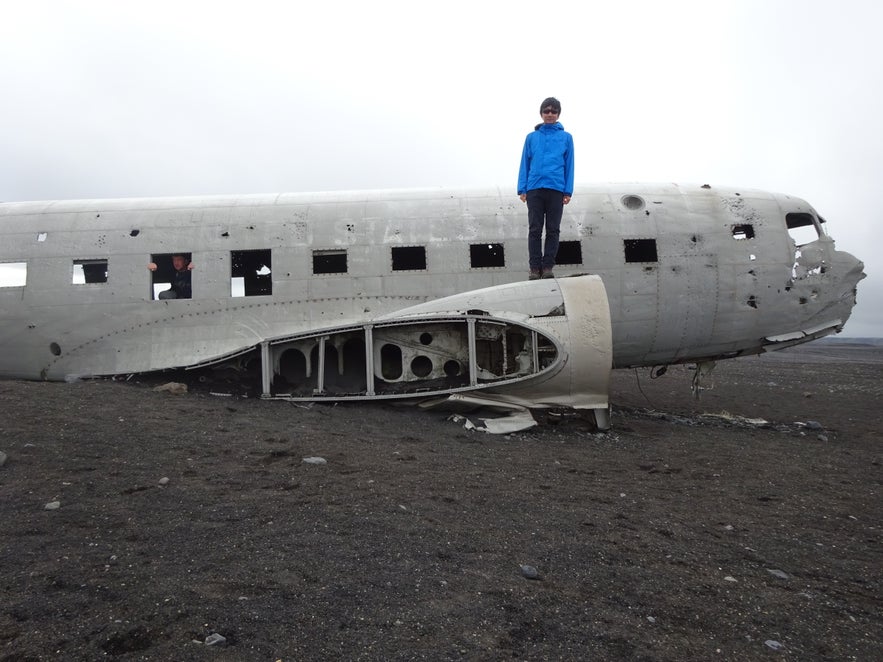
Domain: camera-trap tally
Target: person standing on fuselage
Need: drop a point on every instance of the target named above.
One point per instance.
(545, 183)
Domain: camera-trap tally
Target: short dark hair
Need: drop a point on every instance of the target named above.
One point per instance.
(550, 101)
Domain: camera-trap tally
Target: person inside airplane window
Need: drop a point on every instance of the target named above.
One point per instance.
(545, 183)
(181, 282)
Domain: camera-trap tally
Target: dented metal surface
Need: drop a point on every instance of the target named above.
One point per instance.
(687, 274)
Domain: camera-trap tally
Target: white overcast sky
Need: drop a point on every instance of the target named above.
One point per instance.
(131, 98)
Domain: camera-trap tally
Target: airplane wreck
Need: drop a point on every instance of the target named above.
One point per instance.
(417, 294)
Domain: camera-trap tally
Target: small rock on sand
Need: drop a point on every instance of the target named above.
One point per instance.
(215, 640)
(530, 572)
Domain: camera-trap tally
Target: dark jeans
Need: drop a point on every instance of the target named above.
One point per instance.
(544, 206)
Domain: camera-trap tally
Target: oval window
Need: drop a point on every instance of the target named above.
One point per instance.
(632, 202)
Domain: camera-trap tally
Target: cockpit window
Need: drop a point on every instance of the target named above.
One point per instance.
(802, 227)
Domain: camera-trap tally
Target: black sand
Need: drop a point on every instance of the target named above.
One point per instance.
(655, 541)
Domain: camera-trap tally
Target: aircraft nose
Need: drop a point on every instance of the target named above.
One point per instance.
(849, 271)
(855, 268)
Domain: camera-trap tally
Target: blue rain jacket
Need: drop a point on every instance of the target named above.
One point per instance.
(547, 160)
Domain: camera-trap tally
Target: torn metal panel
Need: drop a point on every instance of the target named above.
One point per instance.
(510, 418)
(512, 422)
(810, 333)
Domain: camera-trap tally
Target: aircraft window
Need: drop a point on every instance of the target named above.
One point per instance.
(408, 258)
(632, 202)
(89, 271)
(250, 273)
(640, 250)
(329, 262)
(743, 231)
(802, 228)
(13, 274)
(163, 267)
(569, 252)
(486, 255)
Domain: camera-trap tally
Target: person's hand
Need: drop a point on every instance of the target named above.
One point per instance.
(566, 199)
(523, 197)
(152, 266)
(189, 266)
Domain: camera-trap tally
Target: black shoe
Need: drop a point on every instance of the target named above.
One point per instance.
(535, 274)
(547, 274)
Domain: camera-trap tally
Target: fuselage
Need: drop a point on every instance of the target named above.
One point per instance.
(691, 273)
